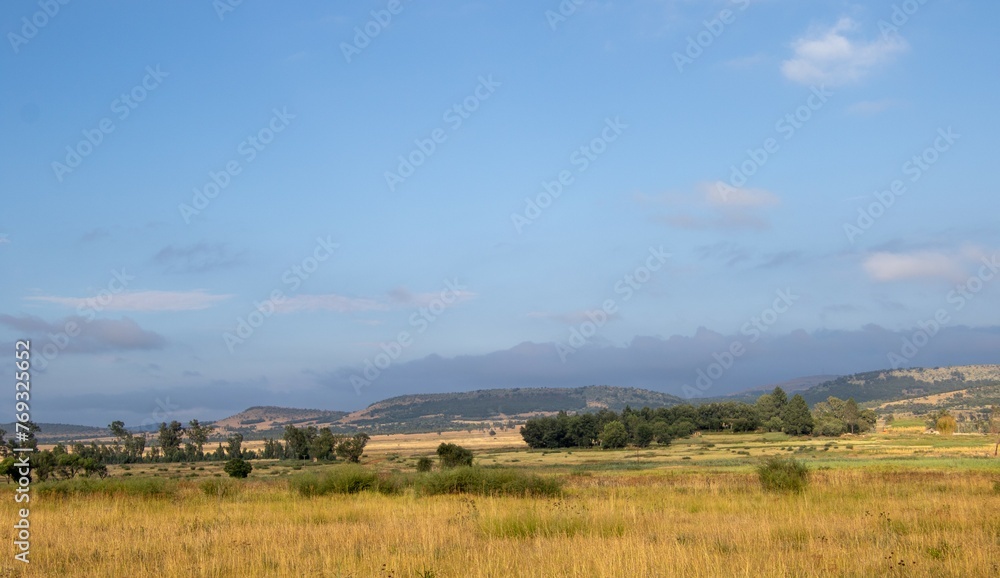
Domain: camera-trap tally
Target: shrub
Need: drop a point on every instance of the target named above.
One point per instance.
(783, 475)
(219, 488)
(144, 487)
(238, 468)
(453, 455)
(490, 482)
(346, 479)
(424, 464)
(946, 425)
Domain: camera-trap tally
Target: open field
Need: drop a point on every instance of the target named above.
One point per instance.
(892, 504)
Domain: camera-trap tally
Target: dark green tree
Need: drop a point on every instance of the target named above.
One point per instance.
(198, 434)
(234, 446)
(352, 448)
(453, 455)
(614, 435)
(238, 468)
(170, 439)
(796, 416)
(643, 434)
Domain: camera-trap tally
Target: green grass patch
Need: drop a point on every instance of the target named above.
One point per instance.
(783, 475)
(487, 481)
(345, 479)
(143, 487)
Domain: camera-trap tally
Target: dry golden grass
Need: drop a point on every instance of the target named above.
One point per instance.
(674, 519)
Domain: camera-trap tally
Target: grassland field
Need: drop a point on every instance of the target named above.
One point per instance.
(898, 503)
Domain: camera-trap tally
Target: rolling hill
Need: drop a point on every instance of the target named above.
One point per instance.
(443, 411)
(894, 385)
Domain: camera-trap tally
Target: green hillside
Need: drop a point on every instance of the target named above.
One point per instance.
(901, 384)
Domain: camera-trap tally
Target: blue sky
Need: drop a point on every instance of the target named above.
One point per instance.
(316, 204)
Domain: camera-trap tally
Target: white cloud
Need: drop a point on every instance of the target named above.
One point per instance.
(886, 266)
(397, 298)
(716, 205)
(329, 302)
(832, 57)
(140, 301)
(720, 194)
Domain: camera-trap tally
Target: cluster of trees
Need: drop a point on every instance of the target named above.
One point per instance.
(176, 443)
(836, 416)
(56, 463)
(453, 455)
(311, 443)
(773, 411)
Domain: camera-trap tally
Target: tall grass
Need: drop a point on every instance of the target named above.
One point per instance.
(345, 479)
(488, 482)
(779, 474)
(692, 523)
(145, 487)
(352, 479)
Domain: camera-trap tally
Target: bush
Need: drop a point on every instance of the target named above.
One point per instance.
(490, 482)
(453, 455)
(783, 475)
(219, 488)
(346, 479)
(424, 464)
(145, 487)
(237, 468)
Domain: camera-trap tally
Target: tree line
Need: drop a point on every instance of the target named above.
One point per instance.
(772, 412)
(176, 443)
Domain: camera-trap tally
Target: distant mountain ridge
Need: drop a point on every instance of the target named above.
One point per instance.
(791, 386)
(440, 411)
(901, 384)
(968, 389)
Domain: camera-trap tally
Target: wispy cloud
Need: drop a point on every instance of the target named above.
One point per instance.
(197, 258)
(399, 297)
(716, 205)
(95, 336)
(329, 302)
(835, 56)
(95, 235)
(927, 264)
(195, 300)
